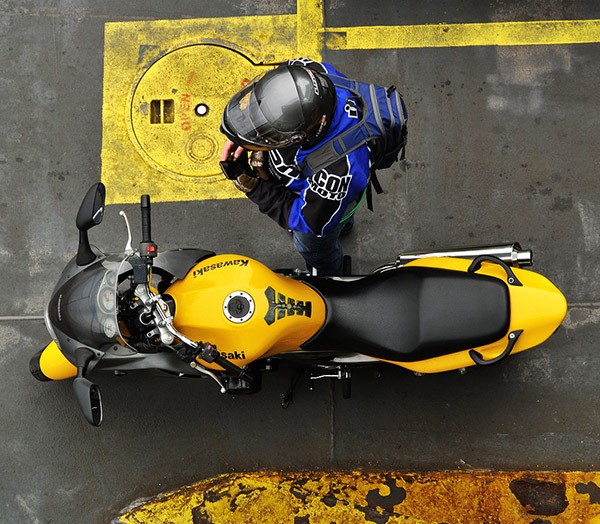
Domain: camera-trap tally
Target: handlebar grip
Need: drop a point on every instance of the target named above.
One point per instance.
(146, 222)
(210, 354)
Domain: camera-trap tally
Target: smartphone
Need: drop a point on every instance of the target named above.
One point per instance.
(233, 168)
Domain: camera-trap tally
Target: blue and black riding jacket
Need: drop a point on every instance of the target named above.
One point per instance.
(317, 203)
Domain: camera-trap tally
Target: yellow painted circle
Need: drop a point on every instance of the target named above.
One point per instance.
(176, 108)
(201, 148)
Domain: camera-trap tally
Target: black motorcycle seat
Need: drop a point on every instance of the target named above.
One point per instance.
(412, 313)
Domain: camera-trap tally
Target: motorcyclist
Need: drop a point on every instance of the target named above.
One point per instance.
(282, 117)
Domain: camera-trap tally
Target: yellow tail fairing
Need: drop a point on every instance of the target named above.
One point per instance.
(54, 365)
(537, 307)
(245, 309)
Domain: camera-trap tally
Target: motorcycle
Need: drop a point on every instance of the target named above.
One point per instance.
(228, 317)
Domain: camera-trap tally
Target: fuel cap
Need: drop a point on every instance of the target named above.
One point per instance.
(238, 307)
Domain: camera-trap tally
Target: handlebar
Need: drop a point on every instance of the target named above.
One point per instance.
(146, 221)
(148, 249)
(189, 350)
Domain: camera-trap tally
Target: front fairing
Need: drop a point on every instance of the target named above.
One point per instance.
(83, 309)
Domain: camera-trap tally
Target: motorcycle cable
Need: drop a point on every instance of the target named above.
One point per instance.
(168, 333)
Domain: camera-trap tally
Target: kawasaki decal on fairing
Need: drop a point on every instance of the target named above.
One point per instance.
(239, 262)
(236, 355)
(282, 306)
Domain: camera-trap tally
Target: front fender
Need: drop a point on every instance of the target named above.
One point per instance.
(52, 364)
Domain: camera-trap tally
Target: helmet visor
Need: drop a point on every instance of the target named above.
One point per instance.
(245, 123)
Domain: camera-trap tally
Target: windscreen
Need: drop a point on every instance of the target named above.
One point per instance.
(85, 306)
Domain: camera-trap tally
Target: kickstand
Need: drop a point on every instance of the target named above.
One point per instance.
(288, 397)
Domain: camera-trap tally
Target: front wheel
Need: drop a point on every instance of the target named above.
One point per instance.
(35, 369)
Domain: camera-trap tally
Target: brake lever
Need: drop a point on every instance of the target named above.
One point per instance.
(128, 246)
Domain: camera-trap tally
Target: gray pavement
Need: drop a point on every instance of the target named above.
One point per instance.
(503, 146)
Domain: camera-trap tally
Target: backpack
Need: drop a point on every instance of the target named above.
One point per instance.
(382, 127)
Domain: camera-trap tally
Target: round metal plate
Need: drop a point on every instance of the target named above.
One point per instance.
(238, 307)
(177, 103)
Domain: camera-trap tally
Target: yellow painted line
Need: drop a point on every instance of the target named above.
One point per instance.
(385, 498)
(309, 29)
(550, 32)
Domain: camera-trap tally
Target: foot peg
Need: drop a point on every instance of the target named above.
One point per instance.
(342, 373)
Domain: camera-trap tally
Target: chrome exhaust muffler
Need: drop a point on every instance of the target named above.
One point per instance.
(512, 254)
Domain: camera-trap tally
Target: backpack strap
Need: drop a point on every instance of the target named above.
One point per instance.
(373, 180)
(354, 137)
(373, 183)
(346, 142)
(345, 83)
(338, 147)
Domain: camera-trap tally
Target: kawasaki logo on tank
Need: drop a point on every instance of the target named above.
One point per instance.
(239, 262)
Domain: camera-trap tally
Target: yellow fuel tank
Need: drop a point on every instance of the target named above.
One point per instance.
(245, 309)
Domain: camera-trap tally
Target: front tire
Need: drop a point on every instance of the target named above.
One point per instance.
(35, 369)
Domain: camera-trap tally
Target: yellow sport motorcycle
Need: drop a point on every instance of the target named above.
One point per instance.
(191, 312)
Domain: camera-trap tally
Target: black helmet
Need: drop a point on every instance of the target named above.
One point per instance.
(288, 105)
